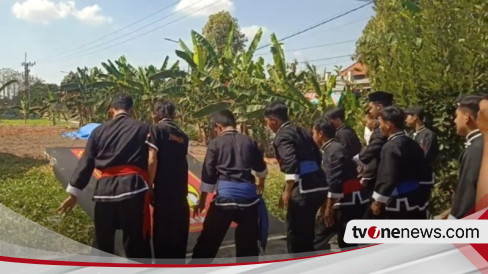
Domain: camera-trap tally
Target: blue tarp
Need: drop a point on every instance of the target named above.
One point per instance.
(83, 133)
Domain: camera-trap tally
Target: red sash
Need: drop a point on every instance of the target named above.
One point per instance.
(133, 170)
(351, 186)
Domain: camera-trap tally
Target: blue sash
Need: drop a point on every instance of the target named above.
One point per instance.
(405, 187)
(228, 189)
(307, 167)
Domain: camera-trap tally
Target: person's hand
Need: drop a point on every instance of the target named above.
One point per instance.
(67, 204)
(285, 199)
(198, 208)
(482, 120)
(320, 214)
(376, 208)
(260, 188)
(328, 216)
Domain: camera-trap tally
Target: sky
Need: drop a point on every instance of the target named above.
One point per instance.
(61, 35)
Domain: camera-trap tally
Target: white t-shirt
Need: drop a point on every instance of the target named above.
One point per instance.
(367, 134)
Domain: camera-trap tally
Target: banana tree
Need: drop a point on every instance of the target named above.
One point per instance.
(227, 81)
(52, 108)
(3, 107)
(288, 85)
(145, 84)
(82, 96)
(26, 109)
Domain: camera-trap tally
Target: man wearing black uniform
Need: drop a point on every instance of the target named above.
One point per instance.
(369, 159)
(305, 188)
(168, 170)
(345, 200)
(344, 133)
(230, 159)
(402, 167)
(425, 137)
(464, 197)
(427, 140)
(117, 148)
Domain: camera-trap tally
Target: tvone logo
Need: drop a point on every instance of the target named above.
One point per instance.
(373, 232)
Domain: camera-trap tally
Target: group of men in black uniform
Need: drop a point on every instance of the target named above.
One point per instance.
(330, 178)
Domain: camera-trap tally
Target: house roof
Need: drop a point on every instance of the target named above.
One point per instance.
(356, 68)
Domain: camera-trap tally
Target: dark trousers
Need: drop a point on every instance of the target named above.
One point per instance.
(215, 227)
(342, 216)
(424, 192)
(171, 226)
(300, 220)
(128, 216)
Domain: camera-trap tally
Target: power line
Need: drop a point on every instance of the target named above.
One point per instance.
(142, 34)
(329, 63)
(91, 49)
(340, 26)
(112, 33)
(327, 58)
(313, 47)
(320, 24)
(125, 34)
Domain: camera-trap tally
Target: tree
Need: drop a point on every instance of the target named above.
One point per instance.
(11, 93)
(40, 90)
(217, 30)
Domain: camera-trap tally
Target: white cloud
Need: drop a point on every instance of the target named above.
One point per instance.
(44, 11)
(204, 7)
(92, 14)
(250, 31)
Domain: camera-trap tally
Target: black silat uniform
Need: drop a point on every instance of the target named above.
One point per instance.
(464, 198)
(370, 160)
(428, 142)
(401, 171)
(300, 160)
(171, 210)
(228, 167)
(349, 139)
(344, 185)
(370, 157)
(118, 149)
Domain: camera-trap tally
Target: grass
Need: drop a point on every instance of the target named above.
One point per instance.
(29, 187)
(34, 122)
(272, 192)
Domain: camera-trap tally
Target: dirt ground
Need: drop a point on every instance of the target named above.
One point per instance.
(31, 141)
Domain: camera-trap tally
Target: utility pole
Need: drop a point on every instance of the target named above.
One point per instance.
(176, 42)
(26, 66)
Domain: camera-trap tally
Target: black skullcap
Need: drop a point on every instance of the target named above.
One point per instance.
(381, 96)
(415, 110)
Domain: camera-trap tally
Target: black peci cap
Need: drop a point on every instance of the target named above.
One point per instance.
(415, 110)
(381, 96)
